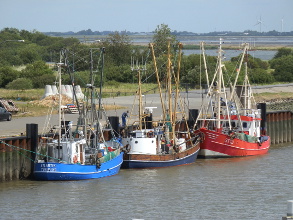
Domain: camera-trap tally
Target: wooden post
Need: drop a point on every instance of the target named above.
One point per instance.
(290, 128)
(32, 134)
(2, 164)
(278, 128)
(281, 128)
(285, 126)
(15, 159)
(273, 128)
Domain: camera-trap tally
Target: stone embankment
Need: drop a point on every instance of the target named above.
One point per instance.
(280, 104)
(277, 97)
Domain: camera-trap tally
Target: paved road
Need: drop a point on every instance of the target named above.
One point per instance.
(191, 100)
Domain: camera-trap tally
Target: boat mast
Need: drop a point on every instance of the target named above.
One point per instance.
(93, 109)
(219, 87)
(246, 105)
(169, 84)
(140, 99)
(158, 80)
(59, 106)
(238, 71)
(177, 78)
(204, 61)
(101, 83)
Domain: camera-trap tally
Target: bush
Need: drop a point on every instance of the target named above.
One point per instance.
(42, 81)
(260, 76)
(283, 52)
(283, 68)
(20, 84)
(7, 75)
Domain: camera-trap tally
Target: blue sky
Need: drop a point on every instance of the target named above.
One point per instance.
(199, 16)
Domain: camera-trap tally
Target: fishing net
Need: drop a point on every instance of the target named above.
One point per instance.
(245, 137)
(109, 155)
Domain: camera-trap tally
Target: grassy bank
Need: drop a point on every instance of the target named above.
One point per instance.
(113, 90)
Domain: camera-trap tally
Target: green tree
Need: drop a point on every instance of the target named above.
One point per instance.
(38, 68)
(162, 35)
(30, 53)
(10, 57)
(43, 80)
(7, 75)
(118, 49)
(260, 76)
(283, 52)
(20, 84)
(192, 69)
(121, 73)
(253, 62)
(283, 68)
(39, 72)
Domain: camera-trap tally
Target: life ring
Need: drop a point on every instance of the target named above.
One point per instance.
(75, 159)
(150, 134)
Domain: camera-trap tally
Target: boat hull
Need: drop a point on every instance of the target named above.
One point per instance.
(134, 161)
(59, 171)
(214, 144)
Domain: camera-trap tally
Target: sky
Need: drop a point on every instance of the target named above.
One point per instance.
(197, 16)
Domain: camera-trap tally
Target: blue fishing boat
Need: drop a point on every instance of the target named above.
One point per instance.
(78, 171)
(80, 153)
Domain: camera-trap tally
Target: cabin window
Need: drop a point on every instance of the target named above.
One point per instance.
(233, 124)
(132, 134)
(244, 124)
(226, 124)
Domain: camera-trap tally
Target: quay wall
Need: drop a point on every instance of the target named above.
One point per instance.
(280, 126)
(17, 155)
(15, 158)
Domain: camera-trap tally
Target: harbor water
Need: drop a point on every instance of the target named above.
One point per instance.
(232, 188)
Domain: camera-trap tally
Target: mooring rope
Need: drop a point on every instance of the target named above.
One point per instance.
(30, 151)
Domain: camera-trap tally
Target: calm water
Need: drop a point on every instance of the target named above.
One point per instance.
(237, 188)
(262, 54)
(254, 42)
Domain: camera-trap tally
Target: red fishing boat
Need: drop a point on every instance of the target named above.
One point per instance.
(230, 123)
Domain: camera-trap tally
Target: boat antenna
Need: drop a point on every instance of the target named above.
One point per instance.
(103, 51)
(59, 65)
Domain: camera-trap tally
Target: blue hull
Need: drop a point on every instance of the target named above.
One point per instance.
(59, 171)
(144, 164)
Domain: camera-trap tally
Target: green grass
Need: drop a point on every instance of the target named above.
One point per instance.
(118, 89)
(22, 95)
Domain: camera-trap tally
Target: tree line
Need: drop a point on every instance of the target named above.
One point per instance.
(30, 64)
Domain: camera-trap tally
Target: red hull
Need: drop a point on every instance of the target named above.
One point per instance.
(215, 144)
